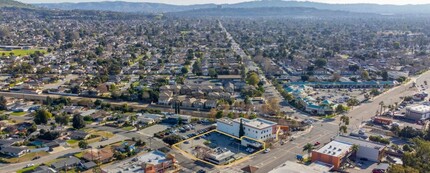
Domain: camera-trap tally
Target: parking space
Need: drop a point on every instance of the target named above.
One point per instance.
(150, 131)
(339, 96)
(361, 166)
(186, 130)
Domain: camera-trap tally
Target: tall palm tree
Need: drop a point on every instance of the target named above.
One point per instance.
(354, 150)
(382, 105)
(343, 129)
(345, 119)
(133, 119)
(308, 148)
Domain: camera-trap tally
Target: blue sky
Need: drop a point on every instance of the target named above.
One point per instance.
(186, 2)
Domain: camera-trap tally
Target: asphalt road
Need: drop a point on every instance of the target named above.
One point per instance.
(367, 110)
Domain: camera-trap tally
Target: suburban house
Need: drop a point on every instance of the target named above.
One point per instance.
(79, 135)
(14, 151)
(99, 155)
(67, 163)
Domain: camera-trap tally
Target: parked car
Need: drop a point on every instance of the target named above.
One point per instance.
(267, 150)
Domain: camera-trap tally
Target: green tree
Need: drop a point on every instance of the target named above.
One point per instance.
(172, 139)
(384, 75)
(341, 109)
(3, 103)
(345, 119)
(241, 129)
(343, 129)
(308, 148)
(365, 75)
(352, 102)
(394, 168)
(420, 158)
(62, 119)
(42, 116)
(78, 121)
(219, 114)
(253, 79)
(212, 73)
(83, 144)
(320, 62)
(184, 70)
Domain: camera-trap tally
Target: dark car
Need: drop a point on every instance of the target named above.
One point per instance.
(37, 157)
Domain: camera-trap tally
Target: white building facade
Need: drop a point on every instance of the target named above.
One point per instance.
(417, 113)
(259, 129)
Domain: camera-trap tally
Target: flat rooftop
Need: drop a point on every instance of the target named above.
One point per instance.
(359, 142)
(154, 157)
(293, 167)
(419, 108)
(335, 148)
(257, 123)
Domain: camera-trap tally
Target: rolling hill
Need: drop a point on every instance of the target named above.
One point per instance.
(144, 7)
(12, 3)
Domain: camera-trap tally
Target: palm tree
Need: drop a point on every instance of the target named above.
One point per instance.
(308, 148)
(345, 119)
(382, 105)
(354, 150)
(133, 119)
(343, 129)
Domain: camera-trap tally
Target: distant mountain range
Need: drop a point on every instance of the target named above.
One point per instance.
(12, 3)
(267, 12)
(143, 7)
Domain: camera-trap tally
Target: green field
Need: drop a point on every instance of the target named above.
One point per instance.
(72, 141)
(128, 128)
(18, 113)
(29, 169)
(21, 52)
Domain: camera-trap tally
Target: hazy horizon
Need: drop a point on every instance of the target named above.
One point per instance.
(190, 2)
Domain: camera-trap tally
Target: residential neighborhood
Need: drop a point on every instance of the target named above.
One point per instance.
(247, 87)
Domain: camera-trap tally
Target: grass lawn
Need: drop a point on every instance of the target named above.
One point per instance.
(22, 52)
(18, 113)
(79, 155)
(128, 128)
(72, 141)
(104, 134)
(53, 161)
(26, 157)
(31, 168)
(92, 140)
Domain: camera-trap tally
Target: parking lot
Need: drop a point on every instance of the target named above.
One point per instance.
(339, 96)
(186, 131)
(150, 131)
(214, 140)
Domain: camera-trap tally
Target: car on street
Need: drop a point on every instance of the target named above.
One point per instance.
(317, 143)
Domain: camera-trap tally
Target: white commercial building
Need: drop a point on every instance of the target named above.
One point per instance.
(417, 113)
(366, 149)
(258, 128)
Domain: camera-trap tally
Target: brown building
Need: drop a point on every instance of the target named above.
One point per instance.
(334, 153)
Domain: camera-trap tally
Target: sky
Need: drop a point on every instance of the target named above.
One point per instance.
(188, 2)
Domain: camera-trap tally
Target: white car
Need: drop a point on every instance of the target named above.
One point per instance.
(267, 150)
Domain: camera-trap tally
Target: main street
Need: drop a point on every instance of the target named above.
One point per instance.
(390, 97)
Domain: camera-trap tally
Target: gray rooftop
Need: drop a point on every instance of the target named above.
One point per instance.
(359, 142)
